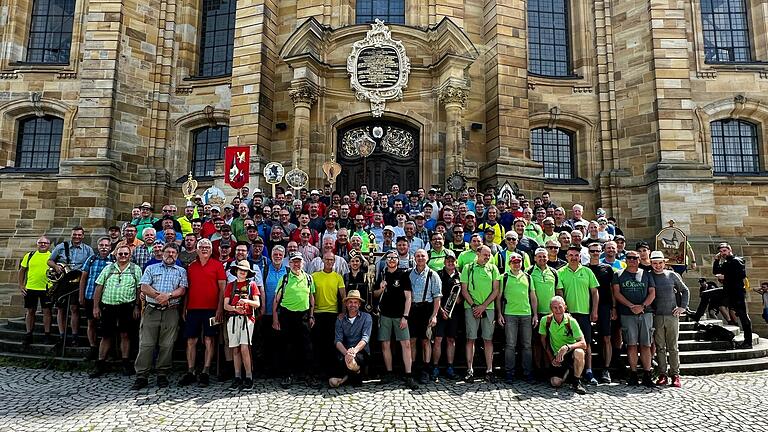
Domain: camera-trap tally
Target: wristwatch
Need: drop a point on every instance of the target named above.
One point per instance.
(405, 316)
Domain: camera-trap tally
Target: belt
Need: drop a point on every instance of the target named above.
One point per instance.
(160, 307)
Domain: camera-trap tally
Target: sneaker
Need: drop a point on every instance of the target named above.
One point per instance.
(286, 382)
(203, 380)
(578, 388)
(387, 378)
(312, 382)
(509, 378)
(27, 340)
(605, 377)
(435, 374)
(139, 384)
(162, 381)
(590, 378)
(128, 369)
(450, 373)
(469, 377)
(423, 377)
(744, 345)
(662, 381)
(490, 377)
(247, 384)
(676, 381)
(236, 384)
(187, 379)
(93, 354)
(99, 369)
(647, 380)
(411, 383)
(632, 378)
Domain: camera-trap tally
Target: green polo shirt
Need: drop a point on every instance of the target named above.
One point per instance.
(558, 333)
(296, 292)
(544, 283)
(533, 231)
(469, 256)
(436, 259)
(479, 280)
(516, 292)
(576, 287)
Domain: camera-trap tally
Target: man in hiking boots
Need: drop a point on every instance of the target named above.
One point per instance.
(564, 345)
(633, 292)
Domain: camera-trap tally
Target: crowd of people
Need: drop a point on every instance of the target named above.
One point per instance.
(304, 286)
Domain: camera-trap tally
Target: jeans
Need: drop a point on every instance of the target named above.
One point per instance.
(518, 329)
(157, 328)
(666, 336)
(294, 334)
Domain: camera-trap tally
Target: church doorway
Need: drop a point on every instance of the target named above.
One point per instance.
(395, 156)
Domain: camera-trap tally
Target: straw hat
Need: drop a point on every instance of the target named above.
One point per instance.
(242, 265)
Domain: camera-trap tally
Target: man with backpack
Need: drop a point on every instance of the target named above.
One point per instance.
(564, 345)
(516, 312)
(117, 307)
(33, 284)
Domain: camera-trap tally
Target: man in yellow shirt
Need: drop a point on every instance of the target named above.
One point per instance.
(32, 284)
(329, 291)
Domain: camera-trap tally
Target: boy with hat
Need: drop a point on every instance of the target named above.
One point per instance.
(353, 334)
(241, 299)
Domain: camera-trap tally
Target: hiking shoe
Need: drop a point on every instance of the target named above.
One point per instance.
(48, 339)
(162, 381)
(469, 377)
(676, 381)
(203, 380)
(387, 378)
(423, 377)
(490, 377)
(662, 381)
(632, 378)
(27, 340)
(187, 379)
(247, 384)
(578, 388)
(589, 378)
(99, 369)
(236, 384)
(312, 382)
(411, 383)
(73, 341)
(286, 382)
(140, 383)
(605, 377)
(435, 374)
(450, 373)
(128, 369)
(509, 378)
(647, 380)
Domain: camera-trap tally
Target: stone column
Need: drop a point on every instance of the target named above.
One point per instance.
(455, 101)
(303, 96)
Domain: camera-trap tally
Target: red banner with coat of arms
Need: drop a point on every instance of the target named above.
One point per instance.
(237, 160)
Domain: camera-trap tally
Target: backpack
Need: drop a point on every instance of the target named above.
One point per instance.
(29, 257)
(714, 333)
(284, 282)
(568, 328)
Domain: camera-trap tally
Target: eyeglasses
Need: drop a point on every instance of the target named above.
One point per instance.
(595, 251)
(632, 258)
(123, 254)
(510, 239)
(305, 234)
(167, 210)
(552, 247)
(458, 232)
(391, 258)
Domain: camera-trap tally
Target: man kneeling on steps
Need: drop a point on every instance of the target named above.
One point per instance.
(564, 345)
(353, 333)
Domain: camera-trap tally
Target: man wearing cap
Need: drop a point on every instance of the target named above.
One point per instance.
(666, 318)
(731, 272)
(241, 298)
(314, 198)
(447, 326)
(517, 313)
(293, 316)
(607, 327)
(644, 249)
(209, 227)
(329, 291)
(426, 293)
(162, 285)
(634, 292)
(204, 300)
(388, 243)
(352, 338)
(169, 212)
(145, 219)
(224, 235)
(393, 289)
(421, 229)
(329, 231)
(435, 205)
(578, 285)
(479, 287)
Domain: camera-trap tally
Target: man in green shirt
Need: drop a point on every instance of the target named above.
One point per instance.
(436, 254)
(564, 345)
(516, 311)
(480, 287)
(293, 312)
(578, 284)
(469, 256)
(544, 280)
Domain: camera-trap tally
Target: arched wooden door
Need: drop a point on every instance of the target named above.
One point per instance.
(395, 158)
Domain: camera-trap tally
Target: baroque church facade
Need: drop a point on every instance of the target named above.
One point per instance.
(653, 110)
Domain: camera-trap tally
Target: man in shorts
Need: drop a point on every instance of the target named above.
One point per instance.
(32, 284)
(565, 347)
(426, 293)
(447, 326)
(634, 291)
(393, 289)
(204, 300)
(91, 271)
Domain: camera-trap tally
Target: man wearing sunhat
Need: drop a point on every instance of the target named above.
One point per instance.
(666, 318)
(144, 220)
(353, 333)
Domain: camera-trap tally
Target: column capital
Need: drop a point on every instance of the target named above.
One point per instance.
(303, 94)
(454, 95)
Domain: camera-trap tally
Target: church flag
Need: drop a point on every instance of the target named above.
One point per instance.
(237, 165)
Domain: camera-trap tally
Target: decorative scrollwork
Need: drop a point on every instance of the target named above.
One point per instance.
(349, 142)
(398, 142)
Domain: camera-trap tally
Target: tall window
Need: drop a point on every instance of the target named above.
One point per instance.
(726, 31)
(554, 149)
(39, 143)
(218, 36)
(208, 148)
(734, 147)
(389, 11)
(50, 31)
(548, 51)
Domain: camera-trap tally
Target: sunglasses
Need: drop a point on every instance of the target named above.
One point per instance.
(552, 247)
(632, 258)
(510, 239)
(594, 251)
(391, 258)
(123, 254)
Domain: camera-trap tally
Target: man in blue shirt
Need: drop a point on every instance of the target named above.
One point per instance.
(267, 348)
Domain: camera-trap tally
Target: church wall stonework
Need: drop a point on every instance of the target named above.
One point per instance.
(639, 105)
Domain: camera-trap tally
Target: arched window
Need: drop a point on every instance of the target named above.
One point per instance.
(50, 31)
(217, 37)
(389, 11)
(734, 147)
(726, 31)
(548, 42)
(554, 149)
(208, 148)
(39, 143)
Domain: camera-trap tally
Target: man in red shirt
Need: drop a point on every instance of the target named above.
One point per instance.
(204, 300)
(304, 224)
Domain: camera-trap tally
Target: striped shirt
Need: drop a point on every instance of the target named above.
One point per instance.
(93, 266)
(164, 279)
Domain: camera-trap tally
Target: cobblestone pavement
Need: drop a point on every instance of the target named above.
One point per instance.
(35, 400)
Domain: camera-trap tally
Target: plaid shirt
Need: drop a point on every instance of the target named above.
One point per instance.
(94, 265)
(141, 255)
(164, 279)
(119, 287)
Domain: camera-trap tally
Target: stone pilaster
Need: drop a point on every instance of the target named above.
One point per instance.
(454, 99)
(303, 95)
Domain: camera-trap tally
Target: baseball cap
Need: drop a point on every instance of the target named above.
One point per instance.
(295, 255)
(315, 192)
(419, 215)
(146, 205)
(251, 228)
(257, 191)
(216, 208)
(228, 207)
(642, 244)
(449, 254)
(489, 230)
(470, 213)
